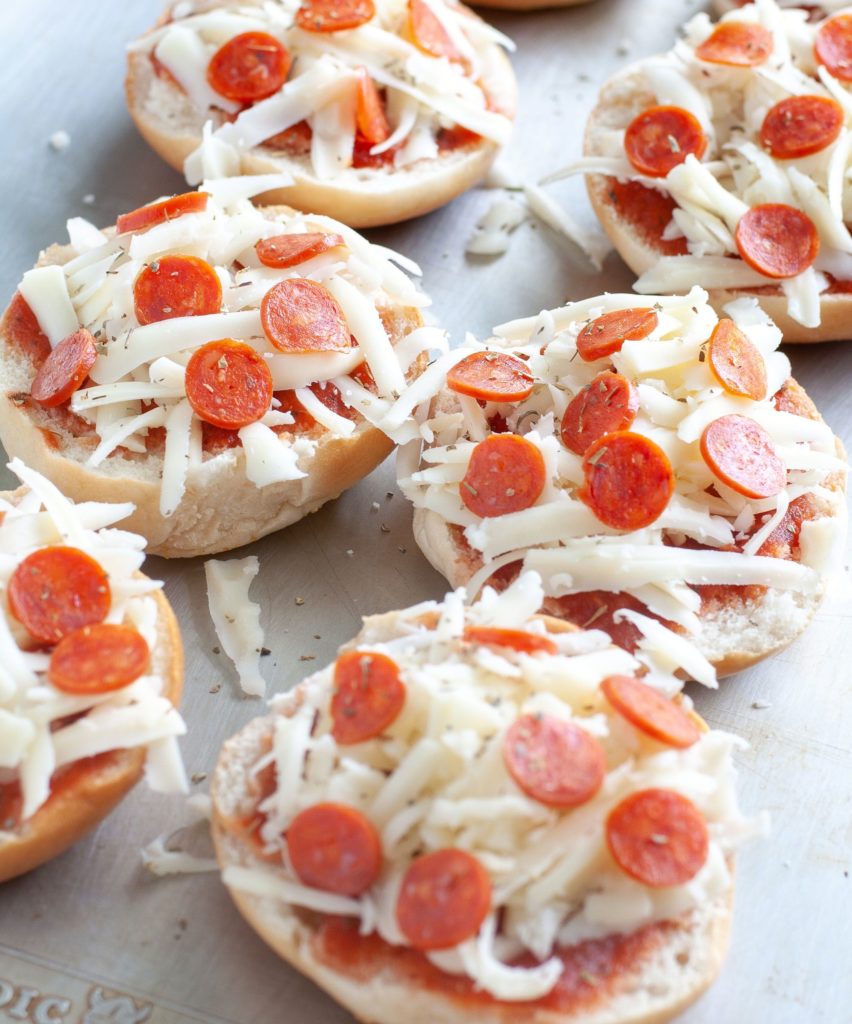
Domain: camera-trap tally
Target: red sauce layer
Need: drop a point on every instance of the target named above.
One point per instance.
(593, 971)
(647, 212)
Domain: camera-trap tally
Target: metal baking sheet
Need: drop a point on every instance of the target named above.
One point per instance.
(92, 937)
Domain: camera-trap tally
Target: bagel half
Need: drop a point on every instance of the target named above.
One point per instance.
(220, 509)
(86, 791)
(368, 197)
(650, 975)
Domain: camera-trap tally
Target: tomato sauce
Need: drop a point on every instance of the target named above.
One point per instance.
(647, 211)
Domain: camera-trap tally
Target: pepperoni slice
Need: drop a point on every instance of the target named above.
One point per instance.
(174, 286)
(554, 761)
(65, 369)
(228, 384)
(301, 316)
(370, 110)
(833, 46)
(156, 213)
(491, 377)
(368, 696)
(660, 138)
(629, 480)
(506, 473)
(777, 240)
(56, 590)
(651, 712)
(291, 250)
(609, 403)
(334, 15)
(658, 837)
(801, 125)
(427, 32)
(249, 67)
(605, 335)
(517, 639)
(444, 898)
(98, 659)
(335, 848)
(736, 361)
(738, 44)
(741, 454)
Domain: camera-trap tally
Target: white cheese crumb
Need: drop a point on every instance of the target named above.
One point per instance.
(59, 140)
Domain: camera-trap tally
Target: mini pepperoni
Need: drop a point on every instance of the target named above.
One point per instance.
(491, 377)
(777, 240)
(56, 590)
(629, 480)
(291, 250)
(660, 138)
(428, 33)
(443, 900)
(655, 715)
(335, 848)
(370, 110)
(833, 46)
(301, 316)
(517, 639)
(368, 696)
(741, 454)
(801, 125)
(156, 213)
(334, 15)
(605, 335)
(736, 361)
(98, 659)
(174, 286)
(607, 404)
(249, 67)
(658, 837)
(739, 44)
(228, 384)
(554, 761)
(506, 473)
(65, 369)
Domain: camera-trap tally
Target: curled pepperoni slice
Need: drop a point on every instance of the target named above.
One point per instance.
(554, 761)
(660, 138)
(608, 403)
(368, 696)
(174, 286)
(833, 46)
(629, 480)
(65, 369)
(801, 125)
(56, 590)
(249, 67)
(658, 837)
(605, 335)
(656, 715)
(98, 659)
(291, 250)
(444, 898)
(506, 473)
(777, 240)
(335, 848)
(491, 377)
(736, 362)
(301, 316)
(517, 639)
(370, 110)
(228, 384)
(427, 32)
(739, 44)
(334, 15)
(741, 454)
(156, 213)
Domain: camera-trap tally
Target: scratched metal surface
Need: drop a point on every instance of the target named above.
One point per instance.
(92, 937)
